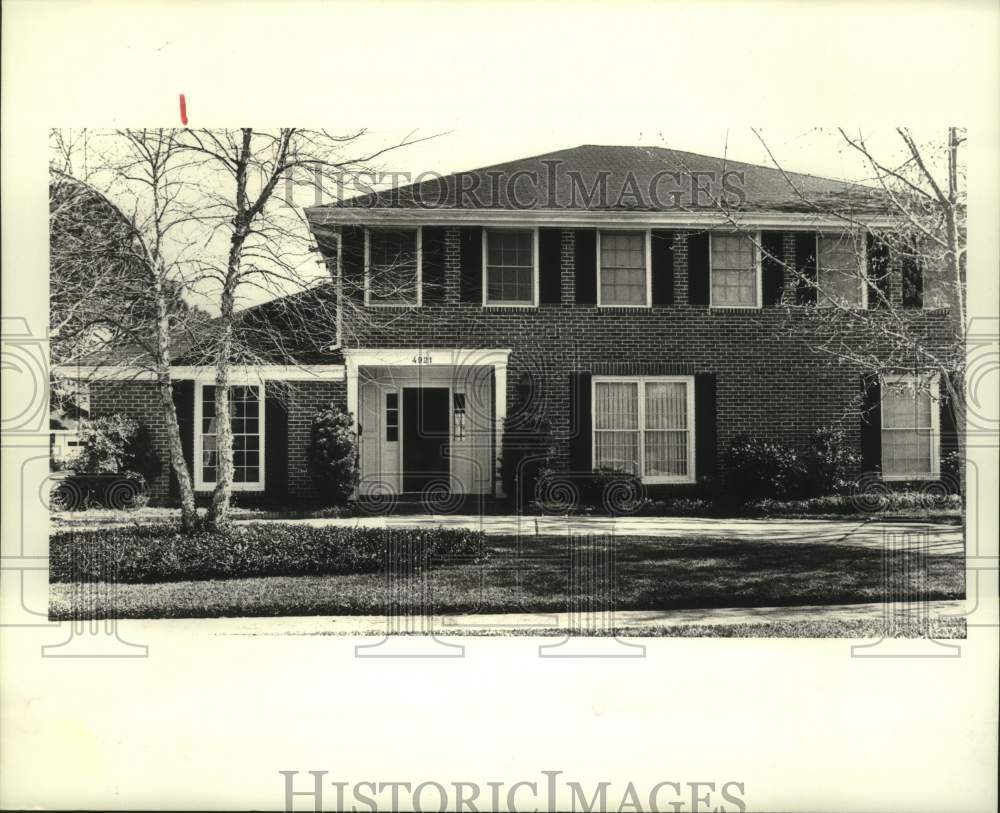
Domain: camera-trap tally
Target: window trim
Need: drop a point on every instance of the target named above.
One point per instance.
(862, 268)
(934, 386)
(199, 397)
(420, 269)
(755, 238)
(642, 380)
(647, 233)
(398, 409)
(535, 274)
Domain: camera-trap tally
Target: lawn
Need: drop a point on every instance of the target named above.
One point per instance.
(548, 574)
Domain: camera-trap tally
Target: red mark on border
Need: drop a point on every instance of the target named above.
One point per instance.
(184, 113)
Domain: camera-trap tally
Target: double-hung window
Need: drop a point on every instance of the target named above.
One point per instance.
(623, 278)
(510, 267)
(392, 267)
(910, 428)
(840, 278)
(246, 414)
(645, 426)
(735, 270)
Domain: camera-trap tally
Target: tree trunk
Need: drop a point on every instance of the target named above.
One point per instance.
(218, 513)
(189, 514)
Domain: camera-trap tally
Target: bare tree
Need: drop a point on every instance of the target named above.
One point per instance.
(206, 222)
(117, 283)
(270, 249)
(903, 309)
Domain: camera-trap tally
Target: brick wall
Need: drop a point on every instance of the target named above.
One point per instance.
(303, 399)
(141, 401)
(769, 381)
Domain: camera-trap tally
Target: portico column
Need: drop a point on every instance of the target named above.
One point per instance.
(500, 415)
(352, 391)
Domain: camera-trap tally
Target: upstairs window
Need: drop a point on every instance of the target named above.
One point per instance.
(392, 267)
(910, 428)
(735, 271)
(624, 269)
(510, 267)
(840, 278)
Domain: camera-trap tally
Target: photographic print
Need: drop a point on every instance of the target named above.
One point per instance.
(607, 390)
(495, 407)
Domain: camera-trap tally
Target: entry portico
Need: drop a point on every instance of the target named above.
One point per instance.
(427, 417)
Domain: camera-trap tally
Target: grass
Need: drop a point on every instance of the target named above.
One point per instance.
(534, 575)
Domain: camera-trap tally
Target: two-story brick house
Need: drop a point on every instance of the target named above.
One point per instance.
(602, 286)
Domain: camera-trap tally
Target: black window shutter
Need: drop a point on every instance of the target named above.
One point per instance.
(913, 279)
(471, 262)
(772, 266)
(432, 264)
(580, 441)
(948, 419)
(586, 267)
(705, 440)
(352, 262)
(878, 272)
(662, 250)
(698, 268)
(275, 441)
(550, 266)
(184, 404)
(805, 263)
(871, 423)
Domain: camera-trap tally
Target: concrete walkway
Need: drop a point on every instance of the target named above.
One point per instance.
(935, 538)
(525, 623)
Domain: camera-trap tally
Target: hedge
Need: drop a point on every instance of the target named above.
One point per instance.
(160, 553)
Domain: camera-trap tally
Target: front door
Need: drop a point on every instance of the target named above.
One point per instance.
(426, 428)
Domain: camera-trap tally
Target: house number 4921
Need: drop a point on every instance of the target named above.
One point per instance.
(422, 360)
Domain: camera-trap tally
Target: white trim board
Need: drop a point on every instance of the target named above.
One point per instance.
(783, 221)
(237, 375)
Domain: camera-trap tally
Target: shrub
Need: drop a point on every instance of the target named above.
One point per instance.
(333, 454)
(160, 553)
(78, 492)
(763, 468)
(528, 446)
(116, 444)
(140, 455)
(615, 492)
(830, 462)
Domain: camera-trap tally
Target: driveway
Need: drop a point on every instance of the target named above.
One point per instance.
(934, 538)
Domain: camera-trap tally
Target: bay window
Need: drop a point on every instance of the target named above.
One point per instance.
(510, 267)
(392, 267)
(735, 270)
(623, 276)
(910, 428)
(645, 426)
(246, 414)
